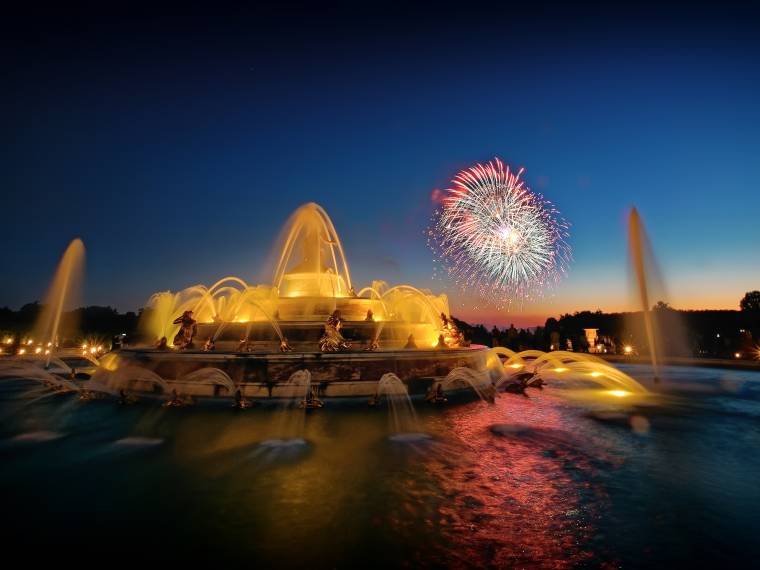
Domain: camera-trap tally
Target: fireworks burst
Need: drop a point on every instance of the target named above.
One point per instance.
(494, 235)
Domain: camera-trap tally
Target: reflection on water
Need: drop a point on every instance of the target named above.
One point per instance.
(530, 482)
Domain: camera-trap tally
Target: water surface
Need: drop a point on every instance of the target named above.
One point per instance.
(532, 482)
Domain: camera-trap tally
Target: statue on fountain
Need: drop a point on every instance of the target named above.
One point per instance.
(370, 317)
(312, 401)
(188, 329)
(520, 382)
(451, 333)
(125, 398)
(435, 395)
(410, 342)
(210, 345)
(241, 402)
(332, 340)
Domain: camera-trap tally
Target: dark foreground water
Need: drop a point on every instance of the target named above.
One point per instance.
(527, 482)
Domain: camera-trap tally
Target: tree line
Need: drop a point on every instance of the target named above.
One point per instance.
(707, 333)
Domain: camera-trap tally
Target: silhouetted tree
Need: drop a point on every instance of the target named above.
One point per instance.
(750, 302)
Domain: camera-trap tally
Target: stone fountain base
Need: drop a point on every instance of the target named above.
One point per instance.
(266, 375)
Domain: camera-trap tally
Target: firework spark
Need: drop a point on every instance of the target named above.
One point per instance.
(493, 235)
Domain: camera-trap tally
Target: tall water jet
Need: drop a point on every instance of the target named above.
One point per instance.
(636, 242)
(63, 291)
(319, 268)
(662, 325)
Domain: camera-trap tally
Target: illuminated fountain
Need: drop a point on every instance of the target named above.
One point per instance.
(533, 368)
(306, 336)
(310, 317)
(63, 290)
(660, 331)
(638, 244)
(36, 358)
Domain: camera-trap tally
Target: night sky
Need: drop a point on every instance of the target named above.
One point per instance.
(176, 142)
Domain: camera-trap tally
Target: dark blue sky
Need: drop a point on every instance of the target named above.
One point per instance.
(176, 143)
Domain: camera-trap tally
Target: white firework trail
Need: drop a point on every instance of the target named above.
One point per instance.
(496, 237)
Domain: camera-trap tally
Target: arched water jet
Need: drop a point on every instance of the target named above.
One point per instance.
(26, 370)
(247, 298)
(212, 375)
(377, 296)
(562, 366)
(312, 226)
(125, 377)
(480, 382)
(401, 410)
(604, 376)
(290, 421)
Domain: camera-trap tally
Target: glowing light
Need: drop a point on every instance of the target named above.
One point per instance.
(37, 350)
(93, 350)
(21, 350)
(560, 369)
(29, 341)
(84, 346)
(8, 340)
(595, 374)
(737, 354)
(628, 349)
(618, 393)
(515, 366)
(494, 235)
(47, 351)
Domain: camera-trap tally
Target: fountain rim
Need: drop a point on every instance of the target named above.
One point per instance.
(172, 354)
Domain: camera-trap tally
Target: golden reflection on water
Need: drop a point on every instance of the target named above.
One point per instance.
(503, 484)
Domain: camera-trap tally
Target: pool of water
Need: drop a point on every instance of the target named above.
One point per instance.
(541, 481)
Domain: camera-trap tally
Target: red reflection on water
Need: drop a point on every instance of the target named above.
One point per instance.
(523, 496)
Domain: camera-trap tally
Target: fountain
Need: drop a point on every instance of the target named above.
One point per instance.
(517, 371)
(663, 332)
(308, 336)
(401, 411)
(309, 317)
(63, 289)
(637, 244)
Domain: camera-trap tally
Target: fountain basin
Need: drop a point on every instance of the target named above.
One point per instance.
(304, 336)
(266, 375)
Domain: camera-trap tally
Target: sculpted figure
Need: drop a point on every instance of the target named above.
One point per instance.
(410, 343)
(187, 330)
(332, 340)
